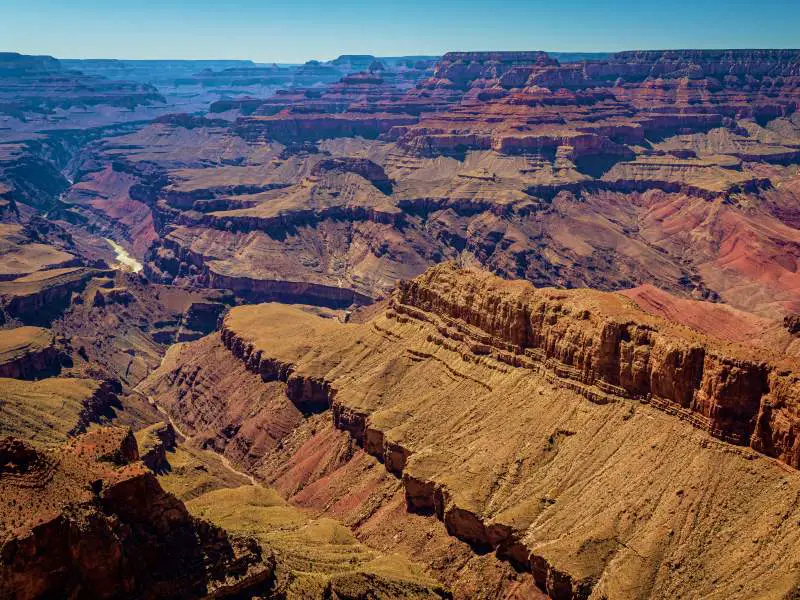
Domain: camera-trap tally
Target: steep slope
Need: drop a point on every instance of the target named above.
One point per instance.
(88, 520)
(566, 431)
(51, 410)
(674, 169)
(29, 353)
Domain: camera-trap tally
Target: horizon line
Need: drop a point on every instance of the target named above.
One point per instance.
(424, 55)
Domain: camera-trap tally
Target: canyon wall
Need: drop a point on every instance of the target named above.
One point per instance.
(482, 395)
(88, 519)
(739, 395)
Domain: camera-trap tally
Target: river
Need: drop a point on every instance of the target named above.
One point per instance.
(125, 259)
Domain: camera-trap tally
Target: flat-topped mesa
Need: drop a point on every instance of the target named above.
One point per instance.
(504, 57)
(602, 340)
(716, 63)
(40, 84)
(462, 69)
(288, 127)
(39, 297)
(14, 64)
(29, 353)
(364, 167)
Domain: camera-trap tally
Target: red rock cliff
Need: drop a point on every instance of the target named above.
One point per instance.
(89, 520)
(601, 340)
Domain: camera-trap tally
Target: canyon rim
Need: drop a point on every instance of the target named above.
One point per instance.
(497, 324)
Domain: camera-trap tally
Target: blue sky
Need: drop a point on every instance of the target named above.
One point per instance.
(296, 30)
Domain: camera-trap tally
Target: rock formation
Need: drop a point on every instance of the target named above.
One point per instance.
(88, 520)
(483, 395)
(154, 442)
(29, 353)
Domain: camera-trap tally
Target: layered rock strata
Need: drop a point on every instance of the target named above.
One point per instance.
(41, 296)
(29, 353)
(412, 381)
(89, 520)
(51, 410)
(595, 340)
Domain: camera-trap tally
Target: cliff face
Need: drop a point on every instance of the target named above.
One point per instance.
(29, 353)
(609, 346)
(40, 297)
(603, 344)
(92, 521)
(483, 396)
(461, 69)
(30, 179)
(290, 128)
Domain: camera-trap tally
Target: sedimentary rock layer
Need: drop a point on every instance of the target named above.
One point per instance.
(28, 353)
(51, 410)
(39, 297)
(88, 519)
(485, 396)
(596, 339)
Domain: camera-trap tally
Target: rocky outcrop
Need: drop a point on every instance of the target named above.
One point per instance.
(92, 521)
(154, 442)
(363, 167)
(174, 261)
(602, 343)
(309, 394)
(200, 319)
(40, 297)
(291, 127)
(114, 295)
(29, 353)
(524, 102)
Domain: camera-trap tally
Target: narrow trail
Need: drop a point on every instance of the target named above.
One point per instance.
(230, 467)
(223, 459)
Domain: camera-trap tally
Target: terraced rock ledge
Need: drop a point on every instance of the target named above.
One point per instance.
(28, 353)
(474, 391)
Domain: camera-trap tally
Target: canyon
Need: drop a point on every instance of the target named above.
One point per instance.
(484, 325)
(502, 423)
